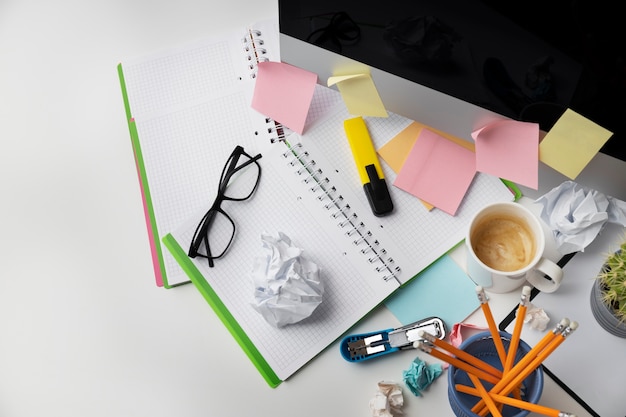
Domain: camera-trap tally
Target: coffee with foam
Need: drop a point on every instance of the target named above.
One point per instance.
(503, 242)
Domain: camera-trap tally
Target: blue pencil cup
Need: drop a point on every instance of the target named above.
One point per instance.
(481, 346)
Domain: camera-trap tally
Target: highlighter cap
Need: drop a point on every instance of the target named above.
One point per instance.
(378, 197)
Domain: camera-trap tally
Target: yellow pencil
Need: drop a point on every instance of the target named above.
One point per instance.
(493, 408)
(521, 373)
(525, 361)
(535, 363)
(461, 354)
(521, 404)
(470, 369)
(517, 330)
(515, 337)
(495, 334)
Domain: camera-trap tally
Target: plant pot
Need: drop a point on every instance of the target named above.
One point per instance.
(603, 314)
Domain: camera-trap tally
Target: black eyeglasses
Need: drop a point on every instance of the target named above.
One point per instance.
(240, 178)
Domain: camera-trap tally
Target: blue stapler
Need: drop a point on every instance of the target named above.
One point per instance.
(359, 347)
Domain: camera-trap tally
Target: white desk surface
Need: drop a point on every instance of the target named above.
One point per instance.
(84, 331)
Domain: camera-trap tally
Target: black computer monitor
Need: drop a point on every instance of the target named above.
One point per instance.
(459, 64)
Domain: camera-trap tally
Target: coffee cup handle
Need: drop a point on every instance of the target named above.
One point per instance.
(538, 277)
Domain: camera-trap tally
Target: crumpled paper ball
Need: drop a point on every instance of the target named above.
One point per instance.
(576, 215)
(287, 286)
(420, 375)
(536, 317)
(387, 401)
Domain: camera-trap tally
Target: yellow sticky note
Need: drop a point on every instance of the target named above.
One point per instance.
(359, 94)
(571, 143)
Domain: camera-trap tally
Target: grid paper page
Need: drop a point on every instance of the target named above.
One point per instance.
(181, 101)
(175, 165)
(283, 203)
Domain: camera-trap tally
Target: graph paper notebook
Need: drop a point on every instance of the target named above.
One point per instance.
(212, 77)
(309, 190)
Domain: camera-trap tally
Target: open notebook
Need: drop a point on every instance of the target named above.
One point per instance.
(309, 190)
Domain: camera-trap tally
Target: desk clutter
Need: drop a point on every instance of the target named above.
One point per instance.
(491, 373)
(293, 175)
(187, 110)
(497, 373)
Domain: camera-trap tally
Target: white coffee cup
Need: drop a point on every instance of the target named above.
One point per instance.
(505, 245)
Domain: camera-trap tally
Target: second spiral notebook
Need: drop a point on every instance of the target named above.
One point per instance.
(308, 190)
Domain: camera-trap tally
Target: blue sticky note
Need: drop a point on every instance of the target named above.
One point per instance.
(442, 290)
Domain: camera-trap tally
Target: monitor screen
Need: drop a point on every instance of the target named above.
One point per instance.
(523, 60)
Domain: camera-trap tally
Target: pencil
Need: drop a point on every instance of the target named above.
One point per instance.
(535, 363)
(461, 354)
(527, 359)
(515, 337)
(521, 404)
(484, 305)
(464, 366)
(493, 408)
(517, 330)
(521, 374)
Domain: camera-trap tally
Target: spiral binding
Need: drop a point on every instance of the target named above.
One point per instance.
(276, 129)
(298, 158)
(254, 50)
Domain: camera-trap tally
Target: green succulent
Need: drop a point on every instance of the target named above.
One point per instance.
(612, 279)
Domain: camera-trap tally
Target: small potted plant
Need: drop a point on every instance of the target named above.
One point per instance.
(608, 294)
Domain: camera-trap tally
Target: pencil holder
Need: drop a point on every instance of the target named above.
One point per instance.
(481, 346)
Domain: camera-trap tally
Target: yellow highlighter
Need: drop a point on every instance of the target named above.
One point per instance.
(369, 168)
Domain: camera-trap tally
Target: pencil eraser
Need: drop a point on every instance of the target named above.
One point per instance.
(526, 290)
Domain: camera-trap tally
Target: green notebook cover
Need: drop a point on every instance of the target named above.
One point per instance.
(222, 312)
(155, 243)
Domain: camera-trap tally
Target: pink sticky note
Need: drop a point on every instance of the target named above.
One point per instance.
(438, 171)
(284, 93)
(509, 149)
